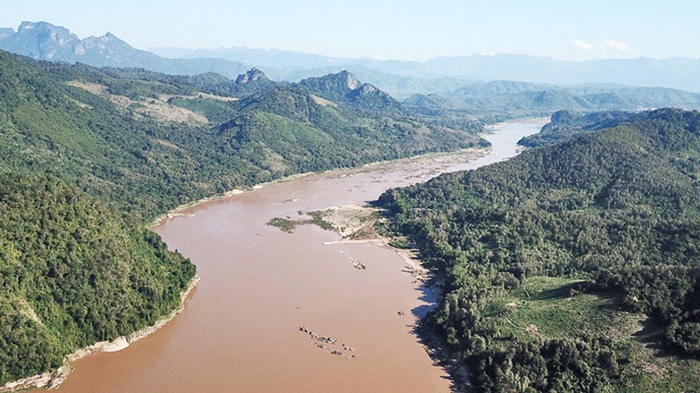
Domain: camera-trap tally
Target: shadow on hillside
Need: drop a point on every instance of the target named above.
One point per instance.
(434, 342)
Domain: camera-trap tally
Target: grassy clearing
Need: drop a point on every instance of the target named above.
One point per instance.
(652, 369)
(552, 307)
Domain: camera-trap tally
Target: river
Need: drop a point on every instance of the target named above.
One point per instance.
(264, 294)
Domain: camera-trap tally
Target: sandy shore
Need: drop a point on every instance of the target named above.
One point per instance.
(52, 379)
(355, 224)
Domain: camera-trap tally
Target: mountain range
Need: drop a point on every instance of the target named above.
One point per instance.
(677, 73)
(42, 40)
(499, 100)
(433, 90)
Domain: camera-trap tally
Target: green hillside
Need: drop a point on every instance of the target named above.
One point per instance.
(150, 142)
(286, 130)
(573, 267)
(73, 271)
(566, 124)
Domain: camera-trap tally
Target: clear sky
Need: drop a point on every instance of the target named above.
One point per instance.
(386, 29)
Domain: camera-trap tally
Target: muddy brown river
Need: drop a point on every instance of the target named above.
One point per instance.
(290, 312)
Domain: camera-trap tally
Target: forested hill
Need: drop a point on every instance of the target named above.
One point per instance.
(74, 272)
(73, 269)
(500, 100)
(572, 267)
(566, 124)
(150, 142)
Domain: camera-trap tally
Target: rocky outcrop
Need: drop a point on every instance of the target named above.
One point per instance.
(44, 41)
(328, 343)
(252, 75)
(345, 88)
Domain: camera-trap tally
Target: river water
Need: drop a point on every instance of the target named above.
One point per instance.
(264, 294)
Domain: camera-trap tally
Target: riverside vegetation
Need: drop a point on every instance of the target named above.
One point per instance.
(89, 156)
(74, 272)
(572, 267)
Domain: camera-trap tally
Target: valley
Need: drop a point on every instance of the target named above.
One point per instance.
(263, 219)
(244, 318)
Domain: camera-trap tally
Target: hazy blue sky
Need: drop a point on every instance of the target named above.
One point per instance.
(395, 29)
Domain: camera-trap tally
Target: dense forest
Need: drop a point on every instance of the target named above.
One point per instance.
(74, 272)
(572, 267)
(89, 156)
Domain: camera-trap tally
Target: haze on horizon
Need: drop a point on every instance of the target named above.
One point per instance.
(387, 29)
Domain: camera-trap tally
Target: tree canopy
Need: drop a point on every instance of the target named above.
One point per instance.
(613, 216)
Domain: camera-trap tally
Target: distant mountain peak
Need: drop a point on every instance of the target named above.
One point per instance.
(350, 79)
(367, 89)
(346, 88)
(250, 76)
(44, 41)
(334, 85)
(45, 27)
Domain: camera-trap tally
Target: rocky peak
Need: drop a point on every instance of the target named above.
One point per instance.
(108, 42)
(344, 87)
(28, 25)
(366, 89)
(44, 41)
(40, 40)
(251, 76)
(48, 32)
(6, 32)
(349, 79)
(333, 86)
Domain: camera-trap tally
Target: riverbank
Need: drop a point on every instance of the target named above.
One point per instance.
(357, 225)
(53, 379)
(349, 221)
(178, 211)
(441, 158)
